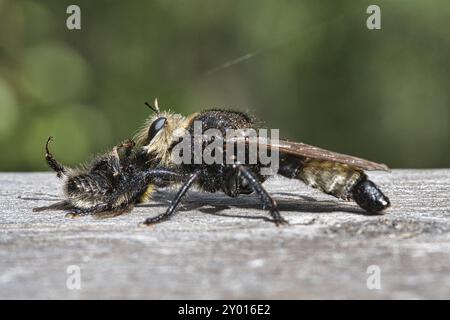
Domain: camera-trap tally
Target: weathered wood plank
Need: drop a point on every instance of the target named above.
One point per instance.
(207, 251)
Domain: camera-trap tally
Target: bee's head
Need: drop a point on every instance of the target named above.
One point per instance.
(160, 131)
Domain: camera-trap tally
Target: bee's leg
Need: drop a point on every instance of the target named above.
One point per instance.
(115, 163)
(102, 207)
(125, 150)
(127, 145)
(52, 163)
(173, 205)
(111, 208)
(60, 205)
(267, 200)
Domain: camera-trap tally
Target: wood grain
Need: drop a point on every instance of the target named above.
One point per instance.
(216, 247)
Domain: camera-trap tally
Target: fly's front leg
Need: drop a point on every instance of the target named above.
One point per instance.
(267, 201)
(175, 202)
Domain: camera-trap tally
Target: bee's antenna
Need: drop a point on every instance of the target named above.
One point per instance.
(155, 108)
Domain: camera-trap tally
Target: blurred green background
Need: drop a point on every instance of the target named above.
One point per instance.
(310, 68)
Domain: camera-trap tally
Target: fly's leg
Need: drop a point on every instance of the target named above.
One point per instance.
(173, 205)
(267, 201)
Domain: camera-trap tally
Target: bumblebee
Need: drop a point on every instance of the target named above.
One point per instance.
(109, 185)
(114, 182)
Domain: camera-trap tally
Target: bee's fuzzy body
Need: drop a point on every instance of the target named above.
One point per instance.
(109, 184)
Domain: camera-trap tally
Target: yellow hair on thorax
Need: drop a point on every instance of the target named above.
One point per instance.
(173, 130)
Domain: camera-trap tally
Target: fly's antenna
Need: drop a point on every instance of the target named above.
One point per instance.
(156, 104)
(155, 107)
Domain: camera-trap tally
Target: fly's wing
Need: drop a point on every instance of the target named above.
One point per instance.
(301, 149)
(305, 150)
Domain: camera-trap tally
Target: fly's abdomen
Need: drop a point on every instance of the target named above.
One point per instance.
(340, 180)
(333, 178)
(369, 197)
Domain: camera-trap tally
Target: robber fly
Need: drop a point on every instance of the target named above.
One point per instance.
(114, 182)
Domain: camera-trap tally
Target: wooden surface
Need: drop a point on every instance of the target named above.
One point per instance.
(210, 250)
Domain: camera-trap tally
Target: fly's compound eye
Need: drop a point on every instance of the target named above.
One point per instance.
(155, 127)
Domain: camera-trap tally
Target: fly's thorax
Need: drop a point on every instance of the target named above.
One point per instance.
(159, 147)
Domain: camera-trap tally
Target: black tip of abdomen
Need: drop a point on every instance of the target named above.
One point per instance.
(367, 195)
